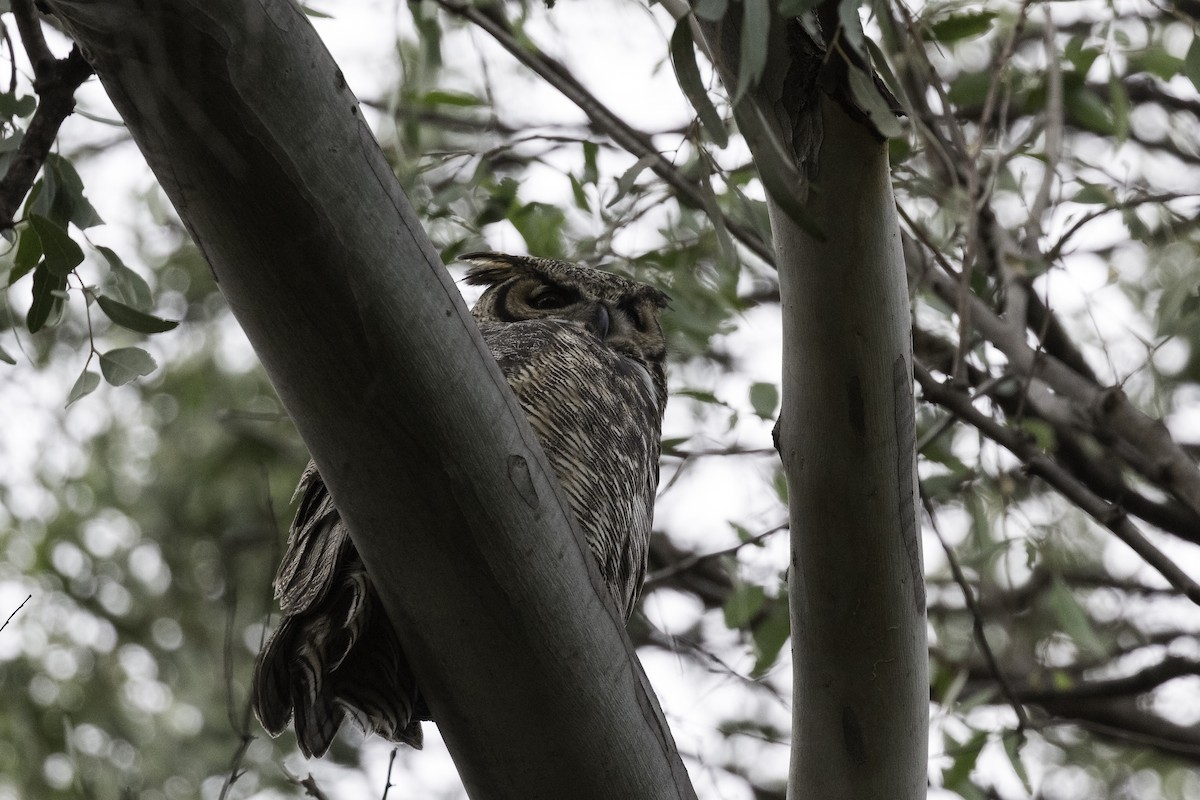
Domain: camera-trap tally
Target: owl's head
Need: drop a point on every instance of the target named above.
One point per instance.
(621, 312)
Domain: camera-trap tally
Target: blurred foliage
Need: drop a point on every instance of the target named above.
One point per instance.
(149, 526)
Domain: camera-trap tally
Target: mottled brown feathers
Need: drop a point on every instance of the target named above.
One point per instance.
(584, 353)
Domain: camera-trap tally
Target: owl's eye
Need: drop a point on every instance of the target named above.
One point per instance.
(549, 298)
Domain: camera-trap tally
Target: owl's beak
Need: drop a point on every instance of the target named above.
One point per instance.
(597, 323)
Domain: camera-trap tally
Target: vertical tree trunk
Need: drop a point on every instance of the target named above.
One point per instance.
(846, 426)
(846, 437)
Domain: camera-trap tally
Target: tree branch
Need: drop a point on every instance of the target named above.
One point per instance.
(55, 81)
(248, 124)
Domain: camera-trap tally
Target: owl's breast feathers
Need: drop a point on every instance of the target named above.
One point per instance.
(598, 419)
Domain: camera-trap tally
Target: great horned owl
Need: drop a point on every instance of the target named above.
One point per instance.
(585, 355)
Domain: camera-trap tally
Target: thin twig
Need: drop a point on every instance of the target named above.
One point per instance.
(28, 597)
(1054, 138)
(12, 59)
(30, 28)
(685, 564)
(388, 782)
(311, 788)
(977, 623)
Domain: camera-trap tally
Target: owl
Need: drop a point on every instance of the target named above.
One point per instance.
(584, 352)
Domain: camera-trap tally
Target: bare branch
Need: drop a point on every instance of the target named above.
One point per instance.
(28, 597)
(1111, 516)
(977, 625)
(56, 82)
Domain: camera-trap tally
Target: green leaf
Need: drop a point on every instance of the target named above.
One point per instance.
(1073, 619)
(62, 253)
(629, 176)
(713, 208)
(1191, 63)
(945, 486)
(852, 25)
(794, 8)
(499, 203)
(965, 756)
(969, 89)
(1157, 62)
(125, 284)
(69, 203)
(1094, 194)
(46, 285)
(84, 385)
(581, 201)
(867, 97)
(743, 604)
(687, 72)
(1012, 746)
(591, 173)
(439, 97)
(541, 224)
(764, 398)
(29, 251)
(13, 105)
(756, 33)
(771, 634)
(133, 319)
(701, 395)
(1042, 432)
(1079, 56)
(5, 357)
(711, 10)
(124, 364)
(961, 26)
(1089, 111)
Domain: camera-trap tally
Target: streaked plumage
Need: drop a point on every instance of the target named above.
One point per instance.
(585, 355)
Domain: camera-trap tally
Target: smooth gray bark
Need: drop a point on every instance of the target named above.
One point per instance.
(249, 126)
(860, 689)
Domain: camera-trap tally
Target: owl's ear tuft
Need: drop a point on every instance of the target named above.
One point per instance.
(489, 268)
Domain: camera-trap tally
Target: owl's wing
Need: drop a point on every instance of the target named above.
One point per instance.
(335, 652)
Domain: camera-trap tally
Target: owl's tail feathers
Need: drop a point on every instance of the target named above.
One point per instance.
(342, 659)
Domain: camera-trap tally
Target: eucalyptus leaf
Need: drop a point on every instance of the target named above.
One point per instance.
(133, 319)
(867, 96)
(764, 397)
(756, 34)
(711, 10)
(61, 252)
(962, 26)
(743, 604)
(1191, 63)
(85, 384)
(46, 285)
(125, 364)
(683, 57)
(630, 176)
(124, 284)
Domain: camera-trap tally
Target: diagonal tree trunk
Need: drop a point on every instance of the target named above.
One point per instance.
(249, 126)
